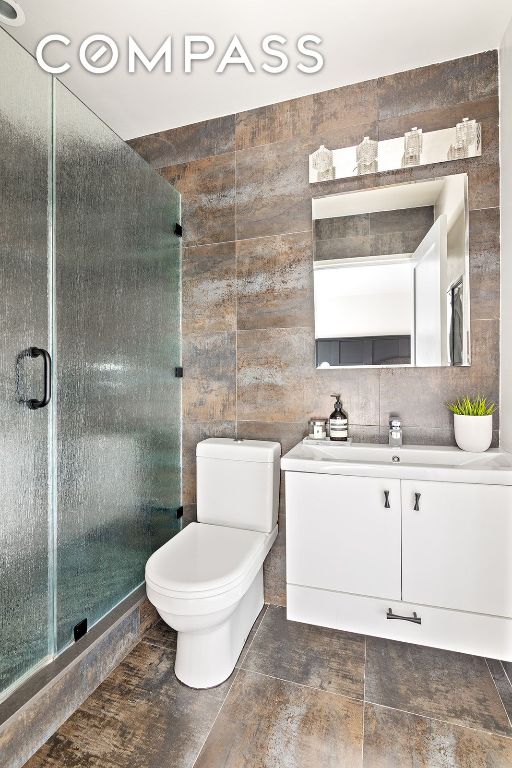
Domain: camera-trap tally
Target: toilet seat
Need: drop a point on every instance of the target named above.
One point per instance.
(207, 561)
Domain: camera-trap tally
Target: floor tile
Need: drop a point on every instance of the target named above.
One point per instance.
(251, 636)
(140, 717)
(393, 739)
(161, 634)
(502, 684)
(269, 723)
(308, 655)
(429, 681)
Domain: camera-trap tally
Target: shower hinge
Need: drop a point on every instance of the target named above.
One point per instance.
(80, 629)
(178, 230)
(179, 513)
(178, 372)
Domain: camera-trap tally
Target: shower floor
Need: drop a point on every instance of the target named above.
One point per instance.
(300, 697)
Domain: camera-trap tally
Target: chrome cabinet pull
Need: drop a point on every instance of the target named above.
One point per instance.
(417, 497)
(414, 619)
(387, 505)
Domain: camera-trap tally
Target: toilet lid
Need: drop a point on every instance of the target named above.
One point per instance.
(205, 559)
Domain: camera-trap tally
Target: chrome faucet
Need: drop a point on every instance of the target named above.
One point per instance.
(395, 432)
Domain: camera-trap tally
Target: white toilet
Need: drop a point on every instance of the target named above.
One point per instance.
(207, 582)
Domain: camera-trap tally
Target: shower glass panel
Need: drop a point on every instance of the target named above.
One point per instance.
(117, 332)
(25, 130)
(90, 272)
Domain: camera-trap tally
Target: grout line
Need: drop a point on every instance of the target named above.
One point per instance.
(301, 685)
(250, 330)
(498, 690)
(440, 720)
(485, 208)
(155, 644)
(505, 673)
(236, 672)
(248, 239)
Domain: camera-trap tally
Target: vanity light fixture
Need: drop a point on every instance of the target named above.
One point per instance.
(11, 13)
(367, 156)
(414, 148)
(413, 145)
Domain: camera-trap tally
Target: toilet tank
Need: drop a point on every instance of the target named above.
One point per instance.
(238, 483)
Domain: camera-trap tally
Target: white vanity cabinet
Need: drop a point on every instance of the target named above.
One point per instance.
(457, 546)
(343, 533)
(423, 561)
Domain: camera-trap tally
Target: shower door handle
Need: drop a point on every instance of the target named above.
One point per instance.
(47, 375)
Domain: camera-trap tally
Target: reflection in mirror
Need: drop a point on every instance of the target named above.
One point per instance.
(391, 275)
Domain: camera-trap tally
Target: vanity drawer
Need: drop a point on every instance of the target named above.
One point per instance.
(440, 628)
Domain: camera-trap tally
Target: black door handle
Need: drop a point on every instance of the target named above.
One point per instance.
(387, 505)
(47, 376)
(417, 497)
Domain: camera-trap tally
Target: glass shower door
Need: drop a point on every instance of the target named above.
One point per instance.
(89, 272)
(25, 131)
(117, 339)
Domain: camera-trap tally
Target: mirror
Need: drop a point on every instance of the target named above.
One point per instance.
(391, 276)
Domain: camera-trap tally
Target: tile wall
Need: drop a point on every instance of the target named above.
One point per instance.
(248, 348)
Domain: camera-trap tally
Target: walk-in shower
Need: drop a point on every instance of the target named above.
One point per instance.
(90, 339)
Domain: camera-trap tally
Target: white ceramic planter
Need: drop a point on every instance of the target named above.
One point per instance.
(473, 433)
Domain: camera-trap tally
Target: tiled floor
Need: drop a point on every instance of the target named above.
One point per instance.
(300, 697)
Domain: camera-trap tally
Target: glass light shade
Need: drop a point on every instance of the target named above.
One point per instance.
(413, 145)
(322, 163)
(367, 156)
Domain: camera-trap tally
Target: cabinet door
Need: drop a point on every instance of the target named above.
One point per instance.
(457, 546)
(340, 534)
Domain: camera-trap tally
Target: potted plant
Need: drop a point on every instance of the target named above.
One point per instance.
(473, 423)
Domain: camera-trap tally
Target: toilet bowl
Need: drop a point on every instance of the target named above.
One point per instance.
(207, 582)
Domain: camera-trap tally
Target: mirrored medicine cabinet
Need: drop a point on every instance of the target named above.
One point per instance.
(391, 275)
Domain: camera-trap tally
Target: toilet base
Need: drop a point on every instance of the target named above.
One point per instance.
(206, 658)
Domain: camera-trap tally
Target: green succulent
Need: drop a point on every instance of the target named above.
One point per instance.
(465, 406)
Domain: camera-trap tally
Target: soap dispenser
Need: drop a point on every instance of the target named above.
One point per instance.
(338, 421)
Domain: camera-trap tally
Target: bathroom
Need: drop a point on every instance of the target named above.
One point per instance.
(167, 373)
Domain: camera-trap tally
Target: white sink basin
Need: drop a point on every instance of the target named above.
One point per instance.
(410, 462)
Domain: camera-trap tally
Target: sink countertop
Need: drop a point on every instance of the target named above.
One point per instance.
(416, 462)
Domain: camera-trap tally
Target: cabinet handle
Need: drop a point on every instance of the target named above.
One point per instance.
(387, 505)
(417, 497)
(415, 619)
(47, 376)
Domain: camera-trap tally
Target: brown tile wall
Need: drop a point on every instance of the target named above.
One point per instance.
(384, 233)
(248, 347)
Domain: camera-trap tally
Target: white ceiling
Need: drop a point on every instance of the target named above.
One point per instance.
(362, 39)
